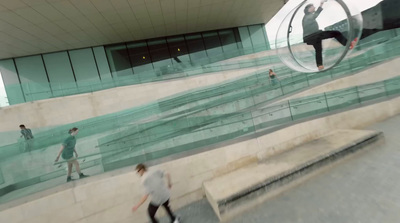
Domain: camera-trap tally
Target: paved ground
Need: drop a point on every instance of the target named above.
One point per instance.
(364, 188)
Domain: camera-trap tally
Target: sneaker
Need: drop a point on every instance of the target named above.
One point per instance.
(353, 43)
(82, 176)
(321, 68)
(177, 219)
(69, 179)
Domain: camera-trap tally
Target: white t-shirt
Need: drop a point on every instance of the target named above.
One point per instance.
(154, 185)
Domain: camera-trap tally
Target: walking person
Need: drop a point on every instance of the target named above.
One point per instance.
(28, 136)
(272, 77)
(154, 184)
(67, 152)
(312, 35)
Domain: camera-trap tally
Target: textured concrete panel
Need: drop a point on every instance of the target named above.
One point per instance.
(237, 190)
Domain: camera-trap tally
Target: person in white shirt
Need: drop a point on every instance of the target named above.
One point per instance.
(154, 185)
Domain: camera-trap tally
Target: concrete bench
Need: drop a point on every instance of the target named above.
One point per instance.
(237, 191)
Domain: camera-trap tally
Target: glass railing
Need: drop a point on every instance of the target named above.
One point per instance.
(133, 145)
(156, 139)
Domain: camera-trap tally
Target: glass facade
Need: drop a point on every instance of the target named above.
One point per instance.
(84, 67)
(178, 49)
(59, 71)
(94, 68)
(196, 48)
(254, 37)
(212, 43)
(11, 81)
(159, 51)
(33, 77)
(3, 94)
(230, 40)
(101, 63)
(118, 58)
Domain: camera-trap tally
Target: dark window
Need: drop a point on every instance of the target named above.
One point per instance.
(158, 49)
(213, 46)
(195, 43)
(178, 49)
(177, 46)
(211, 40)
(139, 53)
(228, 38)
(159, 53)
(196, 46)
(119, 59)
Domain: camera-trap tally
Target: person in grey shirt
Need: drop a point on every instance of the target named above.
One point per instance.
(154, 185)
(26, 133)
(28, 136)
(312, 35)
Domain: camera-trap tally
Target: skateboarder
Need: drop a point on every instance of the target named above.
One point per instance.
(67, 152)
(154, 185)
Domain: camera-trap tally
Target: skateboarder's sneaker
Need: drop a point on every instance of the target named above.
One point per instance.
(353, 43)
(177, 219)
(82, 176)
(69, 179)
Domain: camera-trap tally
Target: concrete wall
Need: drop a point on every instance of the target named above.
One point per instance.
(62, 110)
(109, 197)
(250, 56)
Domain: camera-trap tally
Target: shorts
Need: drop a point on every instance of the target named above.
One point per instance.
(70, 160)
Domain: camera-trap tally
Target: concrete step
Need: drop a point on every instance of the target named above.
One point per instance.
(242, 189)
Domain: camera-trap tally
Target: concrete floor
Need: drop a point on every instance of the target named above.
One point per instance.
(363, 188)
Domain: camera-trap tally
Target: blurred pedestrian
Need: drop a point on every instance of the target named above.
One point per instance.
(28, 136)
(272, 77)
(154, 185)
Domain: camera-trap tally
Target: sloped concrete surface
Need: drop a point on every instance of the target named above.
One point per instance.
(242, 187)
(360, 188)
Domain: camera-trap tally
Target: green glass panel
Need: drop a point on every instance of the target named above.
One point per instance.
(102, 63)
(308, 106)
(196, 47)
(118, 58)
(371, 91)
(85, 68)
(60, 73)
(212, 44)
(257, 37)
(229, 42)
(11, 83)
(33, 78)
(342, 99)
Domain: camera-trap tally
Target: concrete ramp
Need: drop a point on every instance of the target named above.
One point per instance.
(237, 191)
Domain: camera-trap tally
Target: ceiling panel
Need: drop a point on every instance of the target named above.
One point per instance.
(14, 4)
(39, 26)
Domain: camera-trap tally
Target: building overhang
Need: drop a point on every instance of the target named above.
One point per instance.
(30, 27)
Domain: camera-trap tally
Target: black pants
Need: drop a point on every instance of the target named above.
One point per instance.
(152, 209)
(316, 41)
